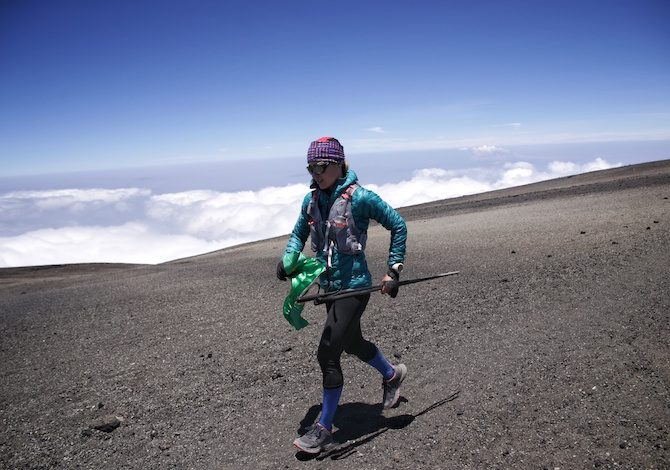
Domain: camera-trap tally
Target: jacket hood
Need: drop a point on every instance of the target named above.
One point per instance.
(344, 182)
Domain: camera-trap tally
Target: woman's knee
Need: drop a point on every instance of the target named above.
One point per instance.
(329, 361)
(333, 378)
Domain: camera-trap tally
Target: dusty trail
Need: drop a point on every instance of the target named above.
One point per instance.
(550, 349)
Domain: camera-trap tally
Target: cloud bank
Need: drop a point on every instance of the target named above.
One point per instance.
(134, 225)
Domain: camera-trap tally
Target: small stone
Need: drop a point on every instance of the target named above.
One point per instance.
(287, 349)
(107, 423)
(101, 405)
(622, 445)
(582, 232)
(513, 252)
(209, 356)
(655, 221)
(648, 228)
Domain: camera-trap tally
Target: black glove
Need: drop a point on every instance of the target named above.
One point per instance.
(281, 272)
(393, 285)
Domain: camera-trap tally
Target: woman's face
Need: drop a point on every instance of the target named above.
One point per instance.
(328, 178)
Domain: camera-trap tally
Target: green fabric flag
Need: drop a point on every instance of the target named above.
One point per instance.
(303, 271)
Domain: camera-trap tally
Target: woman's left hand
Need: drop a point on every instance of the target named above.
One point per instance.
(389, 286)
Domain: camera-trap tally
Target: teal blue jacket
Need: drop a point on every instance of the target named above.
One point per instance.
(351, 271)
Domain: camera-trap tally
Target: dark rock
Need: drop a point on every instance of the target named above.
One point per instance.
(101, 405)
(287, 349)
(107, 423)
(582, 232)
(209, 356)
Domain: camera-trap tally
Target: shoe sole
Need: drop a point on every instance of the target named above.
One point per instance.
(310, 450)
(396, 396)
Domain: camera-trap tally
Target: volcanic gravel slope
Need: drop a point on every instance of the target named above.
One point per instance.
(549, 350)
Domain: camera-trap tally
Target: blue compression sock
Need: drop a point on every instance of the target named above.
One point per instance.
(331, 397)
(380, 363)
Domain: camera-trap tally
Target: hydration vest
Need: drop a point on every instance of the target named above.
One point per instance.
(339, 230)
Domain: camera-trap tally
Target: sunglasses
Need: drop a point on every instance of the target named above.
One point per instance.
(317, 168)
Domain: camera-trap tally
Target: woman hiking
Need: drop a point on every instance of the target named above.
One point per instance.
(336, 214)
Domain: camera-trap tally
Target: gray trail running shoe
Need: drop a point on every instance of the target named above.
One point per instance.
(392, 386)
(316, 439)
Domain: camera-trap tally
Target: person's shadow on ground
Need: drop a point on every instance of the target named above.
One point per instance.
(357, 424)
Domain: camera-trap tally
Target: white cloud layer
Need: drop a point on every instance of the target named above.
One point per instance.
(133, 225)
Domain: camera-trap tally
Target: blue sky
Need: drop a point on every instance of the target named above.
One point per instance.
(111, 84)
(145, 131)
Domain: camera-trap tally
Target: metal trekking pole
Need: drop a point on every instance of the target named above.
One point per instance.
(343, 294)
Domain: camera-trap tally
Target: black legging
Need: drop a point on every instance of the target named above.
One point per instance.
(342, 332)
